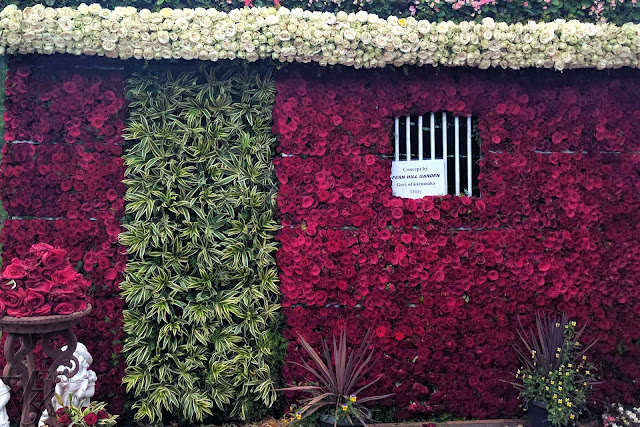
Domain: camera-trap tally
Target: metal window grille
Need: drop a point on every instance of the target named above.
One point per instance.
(442, 136)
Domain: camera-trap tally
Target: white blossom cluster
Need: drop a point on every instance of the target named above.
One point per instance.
(361, 40)
(619, 416)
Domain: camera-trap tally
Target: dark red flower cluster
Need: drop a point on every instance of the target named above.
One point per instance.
(42, 282)
(73, 193)
(441, 281)
(61, 180)
(88, 107)
(64, 416)
(92, 247)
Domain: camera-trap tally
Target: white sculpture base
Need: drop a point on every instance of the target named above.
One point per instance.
(80, 387)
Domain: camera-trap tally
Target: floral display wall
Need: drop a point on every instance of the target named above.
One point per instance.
(442, 281)
(60, 176)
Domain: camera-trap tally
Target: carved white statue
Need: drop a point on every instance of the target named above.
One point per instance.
(5, 394)
(81, 387)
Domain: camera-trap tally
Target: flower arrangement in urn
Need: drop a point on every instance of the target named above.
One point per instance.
(42, 282)
(93, 415)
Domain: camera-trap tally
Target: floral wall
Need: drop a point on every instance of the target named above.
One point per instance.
(60, 181)
(441, 281)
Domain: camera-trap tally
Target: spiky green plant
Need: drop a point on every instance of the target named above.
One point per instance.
(201, 284)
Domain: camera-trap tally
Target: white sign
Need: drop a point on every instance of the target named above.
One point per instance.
(418, 179)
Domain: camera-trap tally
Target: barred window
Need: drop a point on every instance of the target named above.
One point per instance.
(442, 136)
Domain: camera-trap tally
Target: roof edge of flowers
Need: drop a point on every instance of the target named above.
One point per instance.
(360, 40)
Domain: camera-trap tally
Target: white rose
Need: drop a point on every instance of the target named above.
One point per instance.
(145, 15)
(94, 8)
(362, 16)
(546, 36)
(65, 23)
(349, 34)
(488, 23)
(442, 28)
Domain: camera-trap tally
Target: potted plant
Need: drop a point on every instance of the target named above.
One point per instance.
(555, 376)
(337, 395)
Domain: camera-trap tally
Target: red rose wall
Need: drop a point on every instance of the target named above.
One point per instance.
(61, 183)
(442, 280)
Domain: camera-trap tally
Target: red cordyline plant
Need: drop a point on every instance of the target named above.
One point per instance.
(337, 378)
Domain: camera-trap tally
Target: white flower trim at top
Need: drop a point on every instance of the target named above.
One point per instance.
(361, 40)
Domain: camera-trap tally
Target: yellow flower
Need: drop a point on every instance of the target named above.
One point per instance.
(569, 404)
(353, 398)
(566, 374)
(587, 372)
(345, 407)
(402, 21)
(298, 416)
(559, 350)
(584, 357)
(573, 323)
(557, 356)
(547, 388)
(584, 383)
(559, 388)
(572, 416)
(553, 382)
(559, 400)
(555, 396)
(570, 365)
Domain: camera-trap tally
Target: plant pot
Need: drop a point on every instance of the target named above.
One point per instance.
(537, 414)
(329, 421)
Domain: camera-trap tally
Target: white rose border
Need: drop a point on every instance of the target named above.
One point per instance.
(361, 40)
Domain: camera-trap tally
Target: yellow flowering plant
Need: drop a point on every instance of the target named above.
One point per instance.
(555, 369)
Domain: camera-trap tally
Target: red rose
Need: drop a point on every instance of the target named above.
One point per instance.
(64, 308)
(43, 286)
(45, 310)
(11, 299)
(64, 420)
(3, 308)
(33, 300)
(40, 247)
(91, 419)
(102, 414)
(63, 276)
(14, 271)
(54, 258)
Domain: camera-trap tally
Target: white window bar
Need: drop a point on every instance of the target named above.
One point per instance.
(444, 149)
(433, 136)
(469, 158)
(420, 139)
(408, 138)
(397, 122)
(456, 122)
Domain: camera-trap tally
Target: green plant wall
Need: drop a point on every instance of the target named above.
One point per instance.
(201, 284)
